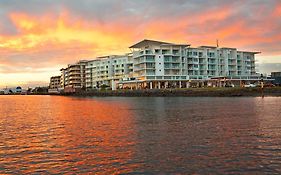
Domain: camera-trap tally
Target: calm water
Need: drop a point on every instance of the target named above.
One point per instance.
(163, 135)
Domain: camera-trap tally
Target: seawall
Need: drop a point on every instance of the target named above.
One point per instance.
(191, 92)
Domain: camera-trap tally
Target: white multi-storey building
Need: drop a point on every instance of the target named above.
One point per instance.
(160, 64)
(108, 71)
(157, 64)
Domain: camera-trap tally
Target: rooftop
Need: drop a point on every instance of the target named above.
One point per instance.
(250, 52)
(147, 42)
(211, 47)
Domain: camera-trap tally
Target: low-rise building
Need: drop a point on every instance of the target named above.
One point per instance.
(55, 84)
(277, 78)
(15, 90)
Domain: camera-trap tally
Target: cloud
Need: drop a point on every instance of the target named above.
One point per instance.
(42, 35)
(270, 67)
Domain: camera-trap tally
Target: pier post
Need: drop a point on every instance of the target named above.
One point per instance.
(262, 86)
(187, 84)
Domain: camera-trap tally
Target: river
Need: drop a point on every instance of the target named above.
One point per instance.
(140, 135)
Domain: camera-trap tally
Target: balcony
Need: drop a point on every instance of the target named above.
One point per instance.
(136, 69)
(232, 63)
(150, 73)
(175, 60)
(148, 52)
(166, 52)
(232, 69)
(193, 68)
(212, 62)
(149, 59)
(75, 81)
(150, 67)
(74, 69)
(172, 67)
(212, 68)
(231, 58)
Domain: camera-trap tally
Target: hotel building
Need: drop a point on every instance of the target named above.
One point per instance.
(73, 77)
(160, 64)
(157, 64)
(108, 71)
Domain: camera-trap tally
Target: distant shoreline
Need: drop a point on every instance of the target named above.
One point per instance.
(190, 92)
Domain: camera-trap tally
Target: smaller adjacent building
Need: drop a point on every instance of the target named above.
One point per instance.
(73, 77)
(277, 78)
(55, 84)
(108, 71)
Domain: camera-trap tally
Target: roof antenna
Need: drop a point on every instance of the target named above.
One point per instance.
(217, 43)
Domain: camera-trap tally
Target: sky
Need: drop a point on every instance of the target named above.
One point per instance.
(37, 37)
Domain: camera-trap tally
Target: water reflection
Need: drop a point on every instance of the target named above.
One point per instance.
(59, 134)
(114, 135)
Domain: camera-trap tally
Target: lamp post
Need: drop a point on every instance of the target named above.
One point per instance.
(262, 85)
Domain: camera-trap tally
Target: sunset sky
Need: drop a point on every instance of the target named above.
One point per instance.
(38, 37)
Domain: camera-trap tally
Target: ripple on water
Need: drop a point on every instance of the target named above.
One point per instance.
(52, 135)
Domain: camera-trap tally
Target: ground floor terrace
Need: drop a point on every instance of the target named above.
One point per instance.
(191, 83)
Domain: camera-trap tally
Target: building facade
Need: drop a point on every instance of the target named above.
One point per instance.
(55, 82)
(108, 71)
(277, 78)
(73, 77)
(157, 64)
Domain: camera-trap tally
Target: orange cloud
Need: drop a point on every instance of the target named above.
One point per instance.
(39, 31)
(277, 10)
